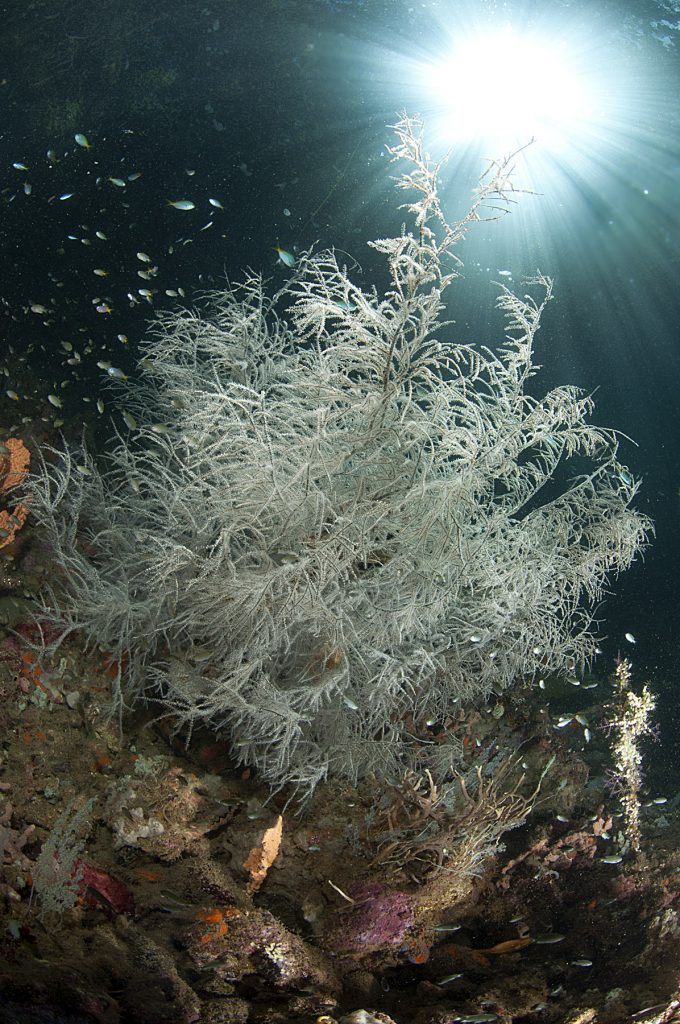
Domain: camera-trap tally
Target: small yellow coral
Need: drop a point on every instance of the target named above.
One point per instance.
(630, 722)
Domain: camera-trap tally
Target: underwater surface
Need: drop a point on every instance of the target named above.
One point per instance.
(494, 835)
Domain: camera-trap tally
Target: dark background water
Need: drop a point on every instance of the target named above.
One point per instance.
(281, 109)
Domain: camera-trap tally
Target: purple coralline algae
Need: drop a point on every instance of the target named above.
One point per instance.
(378, 918)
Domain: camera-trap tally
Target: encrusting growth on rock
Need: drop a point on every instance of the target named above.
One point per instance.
(14, 463)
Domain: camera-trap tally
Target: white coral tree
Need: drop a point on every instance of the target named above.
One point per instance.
(333, 521)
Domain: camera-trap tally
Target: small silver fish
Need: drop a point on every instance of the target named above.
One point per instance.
(82, 140)
(612, 858)
(630, 638)
(201, 655)
(214, 965)
(286, 257)
(182, 204)
(477, 1018)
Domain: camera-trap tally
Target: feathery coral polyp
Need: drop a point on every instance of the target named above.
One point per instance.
(350, 520)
